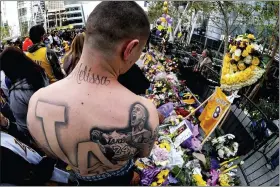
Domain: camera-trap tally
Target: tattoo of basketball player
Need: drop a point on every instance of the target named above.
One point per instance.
(137, 138)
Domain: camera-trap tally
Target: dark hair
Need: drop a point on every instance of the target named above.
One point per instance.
(113, 21)
(17, 66)
(36, 33)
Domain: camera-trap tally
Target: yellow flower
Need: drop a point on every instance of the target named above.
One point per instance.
(249, 48)
(154, 184)
(233, 48)
(241, 66)
(224, 180)
(198, 180)
(245, 53)
(160, 181)
(244, 40)
(236, 58)
(251, 36)
(242, 44)
(234, 67)
(165, 145)
(256, 61)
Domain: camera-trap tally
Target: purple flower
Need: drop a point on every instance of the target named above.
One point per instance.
(215, 164)
(161, 154)
(171, 179)
(215, 176)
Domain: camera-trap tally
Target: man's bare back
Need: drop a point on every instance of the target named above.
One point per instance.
(88, 119)
(92, 126)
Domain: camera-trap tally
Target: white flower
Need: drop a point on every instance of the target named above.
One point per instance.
(248, 59)
(221, 139)
(230, 136)
(256, 46)
(238, 38)
(242, 162)
(221, 153)
(214, 141)
(237, 52)
(161, 96)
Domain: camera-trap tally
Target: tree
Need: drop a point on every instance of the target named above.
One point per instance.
(228, 16)
(5, 31)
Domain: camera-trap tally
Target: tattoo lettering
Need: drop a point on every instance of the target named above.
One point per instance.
(102, 150)
(84, 74)
(43, 111)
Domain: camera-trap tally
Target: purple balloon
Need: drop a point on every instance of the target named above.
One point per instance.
(158, 32)
(170, 21)
(163, 15)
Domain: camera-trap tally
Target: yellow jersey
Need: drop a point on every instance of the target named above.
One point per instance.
(40, 58)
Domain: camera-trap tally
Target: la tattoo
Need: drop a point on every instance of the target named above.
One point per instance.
(104, 150)
(84, 74)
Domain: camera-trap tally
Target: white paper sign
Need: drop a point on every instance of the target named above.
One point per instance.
(184, 133)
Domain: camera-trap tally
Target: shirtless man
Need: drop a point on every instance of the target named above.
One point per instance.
(89, 120)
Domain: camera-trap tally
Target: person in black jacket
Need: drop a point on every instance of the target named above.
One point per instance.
(135, 80)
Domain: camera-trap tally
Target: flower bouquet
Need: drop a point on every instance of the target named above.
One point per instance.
(225, 146)
(241, 64)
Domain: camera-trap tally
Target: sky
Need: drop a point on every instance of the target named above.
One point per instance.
(12, 13)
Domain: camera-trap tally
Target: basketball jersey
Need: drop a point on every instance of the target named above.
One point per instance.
(213, 111)
(40, 58)
(30, 155)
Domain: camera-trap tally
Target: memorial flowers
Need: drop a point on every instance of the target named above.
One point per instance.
(242, 64)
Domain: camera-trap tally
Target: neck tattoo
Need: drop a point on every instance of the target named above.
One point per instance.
(83, 74)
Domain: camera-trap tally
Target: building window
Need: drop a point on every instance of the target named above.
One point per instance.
(22, 11)
(75, 21)
(73, 9)
(74, 15)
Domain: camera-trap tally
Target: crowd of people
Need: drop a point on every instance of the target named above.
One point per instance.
(72, 98)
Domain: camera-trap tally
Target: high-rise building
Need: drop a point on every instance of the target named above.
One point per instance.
(3, 12)
(69, 2)
(38, 12)
(75, 15)
(25, 16)
(54, 5)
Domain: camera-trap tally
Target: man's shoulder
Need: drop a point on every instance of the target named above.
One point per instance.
(151, 109)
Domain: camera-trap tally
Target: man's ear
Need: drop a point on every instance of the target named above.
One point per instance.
(129, 48)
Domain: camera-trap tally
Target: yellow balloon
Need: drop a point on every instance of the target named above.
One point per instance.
(165, 3)
(165, 10)
(160, 27)
(162, 19)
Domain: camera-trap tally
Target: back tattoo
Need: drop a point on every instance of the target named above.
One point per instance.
(104, 149)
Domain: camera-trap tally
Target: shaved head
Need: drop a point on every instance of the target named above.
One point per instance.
(112, 22)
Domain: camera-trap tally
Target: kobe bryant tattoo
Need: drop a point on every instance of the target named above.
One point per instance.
(102, 150)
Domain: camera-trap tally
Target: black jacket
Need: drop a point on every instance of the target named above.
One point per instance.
(135, 80)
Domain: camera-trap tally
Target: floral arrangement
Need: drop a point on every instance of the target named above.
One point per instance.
(225, 146)
(182, 161)
(242, 64)
(170, 66)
